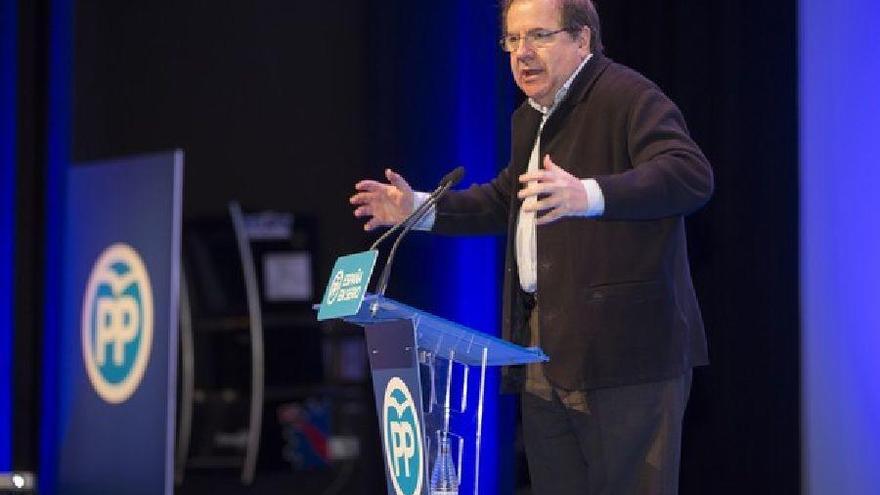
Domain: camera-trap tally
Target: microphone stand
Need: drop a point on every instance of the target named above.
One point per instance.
(418, 213)
(408, 224)
(448, 181)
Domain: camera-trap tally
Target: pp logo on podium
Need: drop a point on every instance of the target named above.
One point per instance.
(403, 438)
(117, 323)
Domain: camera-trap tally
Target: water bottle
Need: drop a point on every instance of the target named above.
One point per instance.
(444, 478)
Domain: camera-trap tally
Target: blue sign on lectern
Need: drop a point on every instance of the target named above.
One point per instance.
(347, 286)
(119, 332)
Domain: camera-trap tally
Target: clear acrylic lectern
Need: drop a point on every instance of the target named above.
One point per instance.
(429, 377)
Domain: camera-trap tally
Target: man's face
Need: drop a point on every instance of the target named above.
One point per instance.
(541, 71)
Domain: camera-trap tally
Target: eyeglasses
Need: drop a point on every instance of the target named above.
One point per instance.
(536, 38)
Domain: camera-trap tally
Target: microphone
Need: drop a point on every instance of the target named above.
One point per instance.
(450, 180)
(453, 177)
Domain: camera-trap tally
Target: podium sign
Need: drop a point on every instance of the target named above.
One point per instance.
(399, 406)
(118, 344)
(347, 285)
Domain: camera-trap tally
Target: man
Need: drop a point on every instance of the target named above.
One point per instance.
(601, 174)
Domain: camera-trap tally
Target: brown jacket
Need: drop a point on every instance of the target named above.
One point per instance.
(617, 302)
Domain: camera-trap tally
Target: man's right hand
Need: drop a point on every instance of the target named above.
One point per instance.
(384, 204)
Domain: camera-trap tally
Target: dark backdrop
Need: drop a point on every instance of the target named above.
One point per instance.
(732, 69)
(274, 103)
(266, 98)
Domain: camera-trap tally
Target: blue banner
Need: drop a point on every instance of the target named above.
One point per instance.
(118, 343)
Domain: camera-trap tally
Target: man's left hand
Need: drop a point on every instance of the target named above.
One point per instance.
(561, 193)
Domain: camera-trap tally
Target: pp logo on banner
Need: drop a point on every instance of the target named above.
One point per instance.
(117, 323)
(403, 438)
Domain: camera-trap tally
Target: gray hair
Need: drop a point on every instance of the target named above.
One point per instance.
(575, 16)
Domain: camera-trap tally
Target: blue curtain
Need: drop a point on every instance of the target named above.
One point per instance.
(8, 159)
(442, 97)
(58, 141)
(840, 244)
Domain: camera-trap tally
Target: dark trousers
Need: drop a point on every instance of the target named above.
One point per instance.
(609, 441)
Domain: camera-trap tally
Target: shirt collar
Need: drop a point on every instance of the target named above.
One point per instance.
(560, 94)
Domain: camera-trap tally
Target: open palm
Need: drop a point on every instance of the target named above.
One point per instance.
(383, 204)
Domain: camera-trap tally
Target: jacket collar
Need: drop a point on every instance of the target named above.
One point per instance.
(585, 79)
(578, 91)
